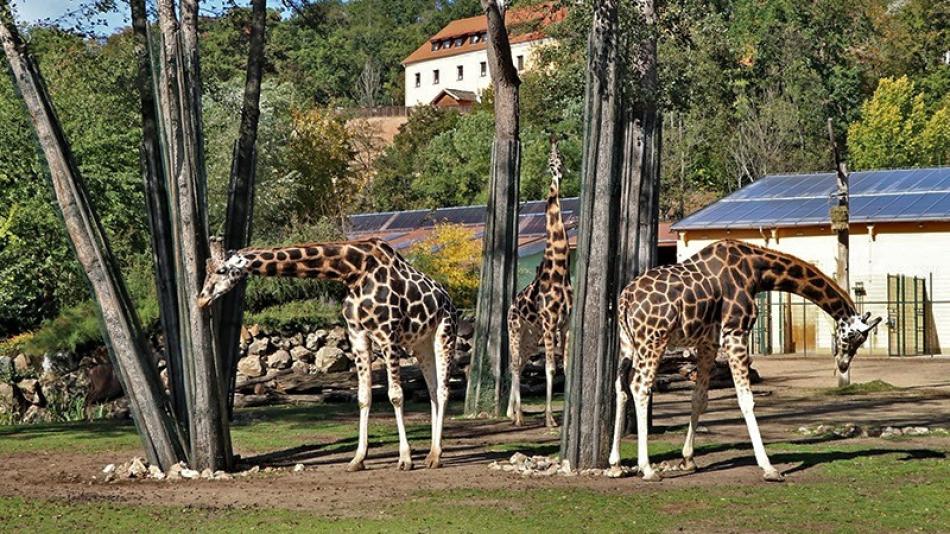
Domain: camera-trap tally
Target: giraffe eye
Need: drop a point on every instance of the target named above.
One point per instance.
(222, 270)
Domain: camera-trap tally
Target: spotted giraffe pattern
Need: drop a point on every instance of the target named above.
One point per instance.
(390, 307)
(540, 311)
(708, 302)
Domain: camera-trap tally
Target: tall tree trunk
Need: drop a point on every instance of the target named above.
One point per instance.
(589, 394)
(121, 330)
(159, 214)
(181, 110)
(229, 312)
(488, 380)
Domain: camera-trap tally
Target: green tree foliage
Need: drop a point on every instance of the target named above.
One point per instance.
(896, 130)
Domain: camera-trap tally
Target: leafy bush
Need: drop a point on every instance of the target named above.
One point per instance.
(451, 255)
(296, 314)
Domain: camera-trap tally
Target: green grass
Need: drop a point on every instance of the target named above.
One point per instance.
(864, 388)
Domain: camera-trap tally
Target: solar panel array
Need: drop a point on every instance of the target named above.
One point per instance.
(804, 199)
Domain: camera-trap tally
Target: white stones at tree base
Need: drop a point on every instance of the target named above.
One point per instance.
(851, 430)
(546, 466)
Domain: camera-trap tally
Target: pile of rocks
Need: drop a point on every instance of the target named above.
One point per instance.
(547, 466)
(308, 351)
(851, 430)
(140, 469)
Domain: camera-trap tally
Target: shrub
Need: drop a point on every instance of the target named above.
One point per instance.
(451, 255)
(296, 314)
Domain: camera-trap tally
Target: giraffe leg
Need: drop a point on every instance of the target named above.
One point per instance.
(737, 350)
(444, 344)
(705, 359)
(647, 362)
(391, 353)
(550, 368)
(514, 396)
(361, 349)
(621, 387)
(425, 354)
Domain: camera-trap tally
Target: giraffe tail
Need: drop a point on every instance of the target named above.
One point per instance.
(623, 374)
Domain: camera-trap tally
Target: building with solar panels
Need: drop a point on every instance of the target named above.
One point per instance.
(899, 254)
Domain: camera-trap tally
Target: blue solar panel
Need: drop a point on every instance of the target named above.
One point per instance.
(793, 200)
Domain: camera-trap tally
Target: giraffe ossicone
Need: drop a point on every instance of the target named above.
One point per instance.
(390, 306)
(708, 302)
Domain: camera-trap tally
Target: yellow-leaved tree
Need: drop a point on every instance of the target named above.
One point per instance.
(451, 255)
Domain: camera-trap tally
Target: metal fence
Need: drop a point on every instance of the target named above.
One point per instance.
(913, 321)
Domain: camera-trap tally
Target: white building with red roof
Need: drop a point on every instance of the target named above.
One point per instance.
(451, 68)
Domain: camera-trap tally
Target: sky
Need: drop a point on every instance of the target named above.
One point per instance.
(71, 12)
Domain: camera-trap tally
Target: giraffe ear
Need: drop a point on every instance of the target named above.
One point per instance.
(872, 324)
(216, 246)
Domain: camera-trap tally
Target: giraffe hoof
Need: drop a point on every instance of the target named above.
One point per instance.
(405, 465)
(615, 471)
(433, 461)
(518, 421)
(686, 465)
(550, 422)
(355, 466)
(652, 476)
(773, 476)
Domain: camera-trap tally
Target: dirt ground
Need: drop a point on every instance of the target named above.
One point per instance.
(789, 397)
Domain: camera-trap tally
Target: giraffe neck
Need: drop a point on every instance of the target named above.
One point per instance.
(786, 273)
(344, 262)
(556, 245)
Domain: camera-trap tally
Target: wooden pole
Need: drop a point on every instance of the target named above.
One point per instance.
(840, 223)
(209, 434)
(229, 312)
(589, 398)
(127, 347)
(488, 380)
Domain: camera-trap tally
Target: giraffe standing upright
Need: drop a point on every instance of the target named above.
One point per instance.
(541, 310)
(706, 301)
(389, 305)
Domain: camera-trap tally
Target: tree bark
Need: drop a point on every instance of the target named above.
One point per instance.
(121, 330)
(229, 312)
(181, 110)
(841, 226)
(488, 376)
(589, 390)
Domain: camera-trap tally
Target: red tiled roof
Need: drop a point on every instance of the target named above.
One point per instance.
(524, 25)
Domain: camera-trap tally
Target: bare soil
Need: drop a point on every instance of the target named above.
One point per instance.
(789, 397)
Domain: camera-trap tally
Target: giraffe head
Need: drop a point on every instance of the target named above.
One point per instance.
(851, 333)
(555, 164)
(222, 273)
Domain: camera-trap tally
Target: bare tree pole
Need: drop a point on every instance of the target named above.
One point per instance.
(589, 404)
(229, 312)
(121, 330)
(488, 378)
(179, 89)
(840, 223)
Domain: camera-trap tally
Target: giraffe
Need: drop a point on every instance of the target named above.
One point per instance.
(541, 309)
(390, 306)
(708, 301)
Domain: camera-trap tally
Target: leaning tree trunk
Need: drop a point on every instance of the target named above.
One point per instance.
(122, 332)
(229, 313)
(179, 89)
(589, 390)
(488, 380)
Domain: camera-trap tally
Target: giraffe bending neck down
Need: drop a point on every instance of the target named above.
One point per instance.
(706, 301)
(541, 310)
(389, 305)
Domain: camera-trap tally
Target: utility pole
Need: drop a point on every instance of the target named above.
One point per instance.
(840, 223)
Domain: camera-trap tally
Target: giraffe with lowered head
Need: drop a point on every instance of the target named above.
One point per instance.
(706, 302)
(390, 306)
(541, 310)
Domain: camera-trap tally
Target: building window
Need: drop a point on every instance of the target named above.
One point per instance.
(436, 45)
(460, 72)
(520, 62)
(435, 77)
(476, 38)
(459, 41)
(447, 43)
(484, 69)
(418, 79)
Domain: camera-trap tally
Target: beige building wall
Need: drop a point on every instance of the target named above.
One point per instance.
(911, 249)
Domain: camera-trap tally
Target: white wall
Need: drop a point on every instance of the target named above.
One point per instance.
(912, 249)
(472, 79)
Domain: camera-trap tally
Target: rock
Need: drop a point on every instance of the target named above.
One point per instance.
(9, 399)
(338, 338)
(6, 365)
(517, 458)
(331, 360)
(300, 368)
(220, 475)
(251, 471)
(254, 330)
(296, 340)
(298, 468)
(155, 472)
(279, 360)
(207, 474)
(138, 469)
(109, 469)
(316, 340)
(174, 472)
(31, 390)
(301, 354)
(189, 474)
(280, 342)
(21, 363)
(251, 366)
(258, 347)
